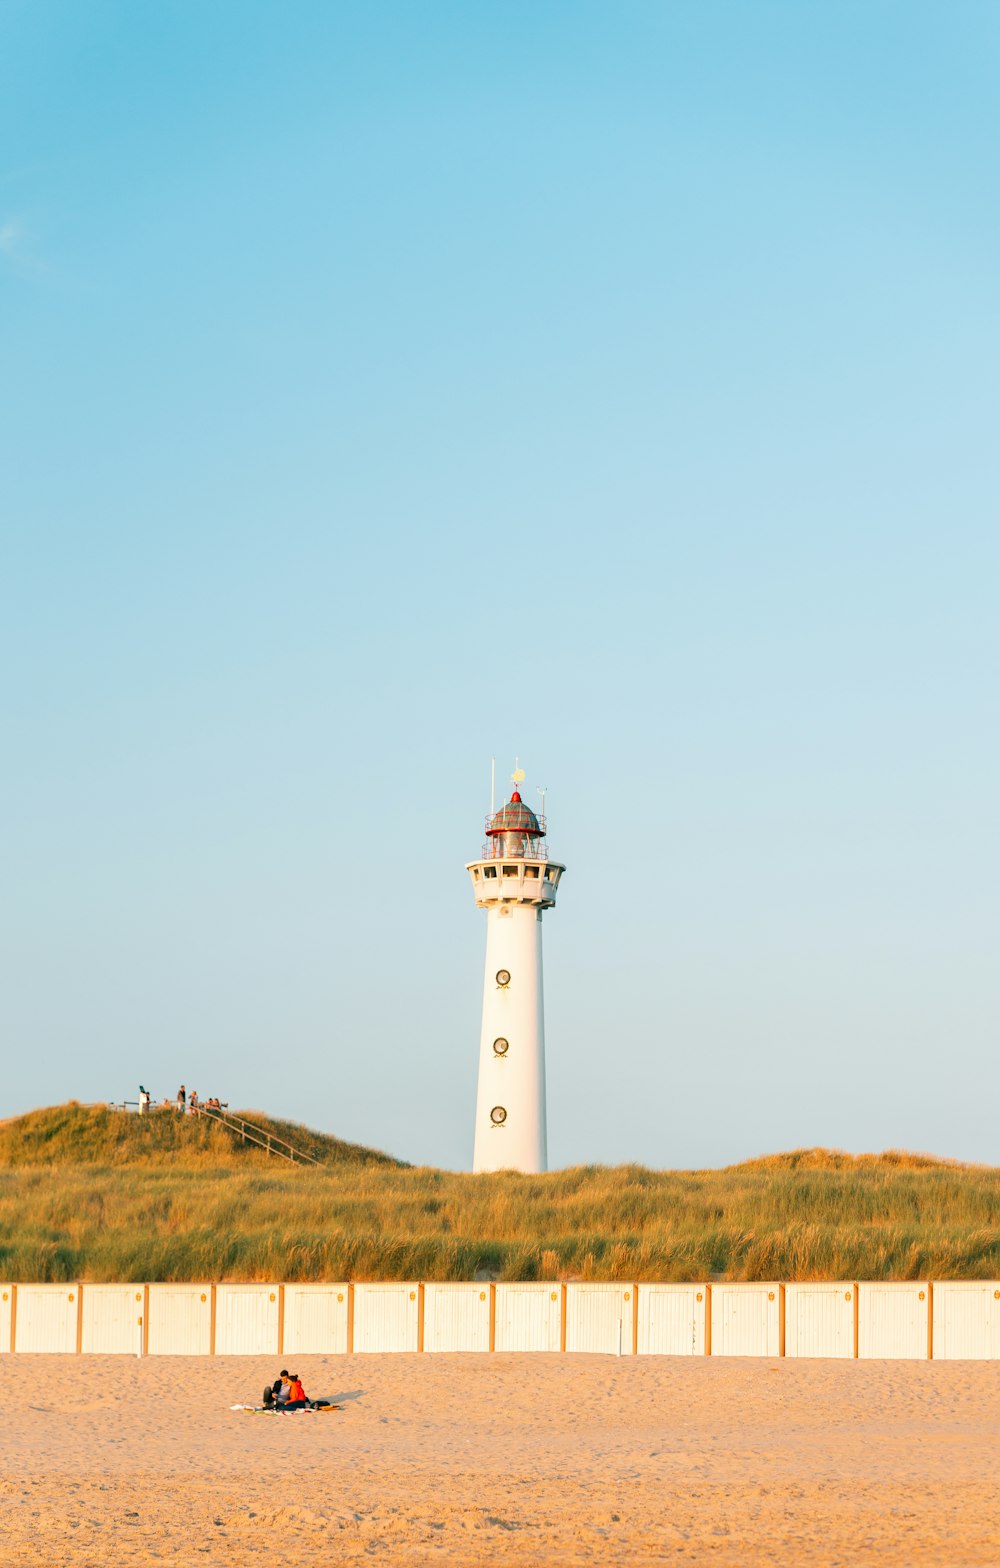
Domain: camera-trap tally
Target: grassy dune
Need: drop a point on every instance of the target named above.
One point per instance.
(191, 1208)
(76, 1134)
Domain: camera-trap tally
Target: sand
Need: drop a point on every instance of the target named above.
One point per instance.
(508, 1459)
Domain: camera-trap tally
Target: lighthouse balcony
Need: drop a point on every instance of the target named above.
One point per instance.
(524, 880)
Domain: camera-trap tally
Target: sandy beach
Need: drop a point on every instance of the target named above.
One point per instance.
(460, 1459)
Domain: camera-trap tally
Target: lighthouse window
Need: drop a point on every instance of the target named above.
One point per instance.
(498, 1116)
(531, 871)
(510, 871)
(489, 871)
(475, 876)
(550, 874)
(501, 1047)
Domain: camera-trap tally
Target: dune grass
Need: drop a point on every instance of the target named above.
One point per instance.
(77, 1134)
(812, 1214)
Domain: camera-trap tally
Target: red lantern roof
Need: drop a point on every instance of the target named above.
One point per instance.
(515, 817)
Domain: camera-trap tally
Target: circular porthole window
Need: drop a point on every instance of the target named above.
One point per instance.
(498, 1116)
(503, 977)
(501, 1047)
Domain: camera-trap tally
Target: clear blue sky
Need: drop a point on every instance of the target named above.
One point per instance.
(384, 386)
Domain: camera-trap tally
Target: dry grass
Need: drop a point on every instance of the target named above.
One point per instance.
(812, 1214)
(77, 1134)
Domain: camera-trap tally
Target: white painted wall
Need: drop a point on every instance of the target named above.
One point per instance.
(966, 1317)
(819, 1319)
(516, 1080)
(386, 1317)
(529, 1317)
(315, 1320)
(746, 1320)
(180, 1320)
(112, 1319)
(671, 1320)
(892, 1321)
(246, 1320)
(47, 1318)
(599, 1318)
(456, 1317)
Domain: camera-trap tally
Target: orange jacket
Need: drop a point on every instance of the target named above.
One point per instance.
(296, 1391)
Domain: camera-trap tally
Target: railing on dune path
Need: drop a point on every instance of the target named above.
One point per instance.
(250, 1133)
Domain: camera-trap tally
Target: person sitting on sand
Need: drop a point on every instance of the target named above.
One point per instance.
(287, 1393)
(297, 1395)
(272, 1391)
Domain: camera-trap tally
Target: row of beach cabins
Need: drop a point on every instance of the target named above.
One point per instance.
(946, 1320)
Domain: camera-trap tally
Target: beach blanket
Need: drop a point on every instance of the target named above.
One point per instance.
(276, 1410)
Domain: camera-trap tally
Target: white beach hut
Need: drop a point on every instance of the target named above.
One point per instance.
(600, 1318)
(315, 1320)
(672, 1320)
(180, 1320)
(457, 1317)
(746, 1319)
(387, 1317)
(529, 1316)
(894, 1321)
(47, 1318)
(966, 1320)
(246, 1320)
(112, 1319)
(820, 1319)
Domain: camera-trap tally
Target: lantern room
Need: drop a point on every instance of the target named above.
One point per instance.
(514, 832)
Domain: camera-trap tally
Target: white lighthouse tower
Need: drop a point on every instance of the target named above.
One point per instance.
(515, 882)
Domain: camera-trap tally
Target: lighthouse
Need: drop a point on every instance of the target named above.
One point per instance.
(515, 882)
